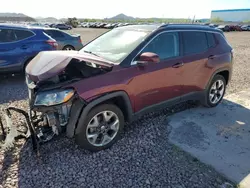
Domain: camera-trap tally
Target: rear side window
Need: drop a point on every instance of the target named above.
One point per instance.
(166, 45)
(7, 35)
(54, 33)
(194, 42)
(23, 34)
(210, 40)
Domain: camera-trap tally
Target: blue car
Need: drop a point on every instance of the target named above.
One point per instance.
(19, 44)
(65, 40)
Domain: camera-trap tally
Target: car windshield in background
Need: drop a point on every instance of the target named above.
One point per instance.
(116, 44)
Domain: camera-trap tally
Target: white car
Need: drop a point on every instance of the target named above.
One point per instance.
(245, 28)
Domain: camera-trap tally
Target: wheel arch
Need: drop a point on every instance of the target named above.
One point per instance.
(225, 72)
(26, 62)
(119, 98)
(69, 46)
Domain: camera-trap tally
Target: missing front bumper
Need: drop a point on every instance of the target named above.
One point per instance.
(11, 132)
(44, 123)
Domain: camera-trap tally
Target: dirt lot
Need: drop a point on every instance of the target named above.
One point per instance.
(241, 76)
(142, 158)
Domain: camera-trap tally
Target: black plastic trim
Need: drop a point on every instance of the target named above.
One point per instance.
(74, 116)
(102, 99)
(196, 96)
(216, 72)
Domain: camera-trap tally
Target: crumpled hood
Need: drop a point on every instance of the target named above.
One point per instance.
(50, 63)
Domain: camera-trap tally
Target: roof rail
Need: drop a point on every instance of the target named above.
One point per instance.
(188, 24)
(164, 25)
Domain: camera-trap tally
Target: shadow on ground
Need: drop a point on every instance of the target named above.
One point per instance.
(218, 136)
(143, 157)
(16, 91)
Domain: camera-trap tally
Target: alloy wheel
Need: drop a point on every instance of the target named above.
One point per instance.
(216, 91)
(102, 128)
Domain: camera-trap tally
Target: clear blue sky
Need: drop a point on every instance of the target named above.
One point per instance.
(109, 8)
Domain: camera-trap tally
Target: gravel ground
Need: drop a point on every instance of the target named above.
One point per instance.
(142, 158)
(241, 69)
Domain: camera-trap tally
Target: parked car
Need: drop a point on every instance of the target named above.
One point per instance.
(65, 40)
(235, 28)
(85, 25)
(108, 26)
(19, 44)
(224, 28)
(38, 25)
(123, 74)
(63, 26)
(245, 28)
(213, 25)
(52, 25)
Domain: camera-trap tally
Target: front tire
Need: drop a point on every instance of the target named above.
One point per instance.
(215, 92)
(101, 128)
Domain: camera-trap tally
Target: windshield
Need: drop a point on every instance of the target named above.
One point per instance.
(116, 44)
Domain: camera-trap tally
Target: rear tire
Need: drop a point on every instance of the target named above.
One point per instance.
(215, 91)
(68, 48)
(101, 128)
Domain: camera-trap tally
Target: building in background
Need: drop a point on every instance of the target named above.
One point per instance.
(232, 15)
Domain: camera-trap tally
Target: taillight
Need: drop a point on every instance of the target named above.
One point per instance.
(232, 56)
(232, 53)
(53, 43)
(80, 40)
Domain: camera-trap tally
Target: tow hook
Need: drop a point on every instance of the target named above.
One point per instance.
(12, 133)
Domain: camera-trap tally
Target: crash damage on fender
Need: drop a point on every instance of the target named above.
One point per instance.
(54, 104)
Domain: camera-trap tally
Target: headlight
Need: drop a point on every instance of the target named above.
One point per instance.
(49, 98)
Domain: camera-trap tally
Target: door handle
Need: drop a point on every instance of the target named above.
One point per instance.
(177, 65)
(211, 57)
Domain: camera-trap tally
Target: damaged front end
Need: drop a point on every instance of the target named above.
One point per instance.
(50, 111)
(54, 105)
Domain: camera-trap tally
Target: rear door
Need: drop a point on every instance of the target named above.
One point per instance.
(196, 58)
(7, 47)
(13, 47)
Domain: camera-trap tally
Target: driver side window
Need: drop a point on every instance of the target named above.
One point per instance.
(166, 45)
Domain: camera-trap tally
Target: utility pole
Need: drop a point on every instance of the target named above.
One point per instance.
(193, 20)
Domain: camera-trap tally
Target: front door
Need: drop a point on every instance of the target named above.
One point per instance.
(158, 82)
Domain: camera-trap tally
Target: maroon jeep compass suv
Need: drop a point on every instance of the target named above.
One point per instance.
(126, 72)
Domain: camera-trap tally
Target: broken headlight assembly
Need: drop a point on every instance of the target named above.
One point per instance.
(44, 126)
(53, 97)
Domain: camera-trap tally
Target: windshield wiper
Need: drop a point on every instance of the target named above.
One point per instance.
(89, 52)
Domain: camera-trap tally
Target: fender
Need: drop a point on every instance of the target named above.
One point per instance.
(203, 96)
(75, 127)
(216, 72)
(74, 116)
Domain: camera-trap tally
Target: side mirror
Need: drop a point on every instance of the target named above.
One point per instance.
(148, 57)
